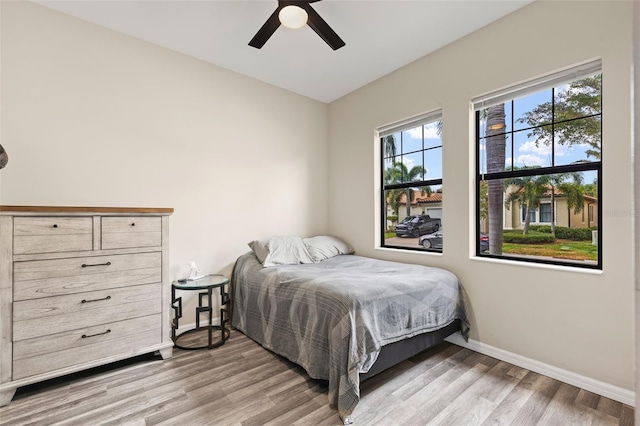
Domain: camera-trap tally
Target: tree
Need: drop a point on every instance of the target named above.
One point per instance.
(591, 189)
(484, 203)
(574, 191)
(390, 148)
(496, 149)
(527, 190)
(576, 111)
(400, 173)
(394, 196)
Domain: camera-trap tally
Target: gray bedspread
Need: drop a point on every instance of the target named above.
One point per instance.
(333, 317)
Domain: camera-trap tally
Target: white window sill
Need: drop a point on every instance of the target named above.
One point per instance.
(401, 250)
(564, 268)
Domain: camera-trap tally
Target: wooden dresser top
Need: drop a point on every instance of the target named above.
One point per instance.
(78, 209)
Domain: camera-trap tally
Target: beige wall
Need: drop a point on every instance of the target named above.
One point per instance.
(92, 117)
(578, 321)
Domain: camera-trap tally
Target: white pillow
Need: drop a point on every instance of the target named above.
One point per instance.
(280, 251)
(325, 247)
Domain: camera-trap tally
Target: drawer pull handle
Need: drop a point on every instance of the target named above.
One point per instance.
(55, 225)
(86, 265)
(95, 300)
(133, 224)
(85, 336)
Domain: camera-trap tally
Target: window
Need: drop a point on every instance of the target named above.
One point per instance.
(539, 149)
(545, 212)
(532, 214)
(411, 200)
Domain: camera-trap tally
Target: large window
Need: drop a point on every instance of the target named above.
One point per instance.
(539, 160)
(411, 201)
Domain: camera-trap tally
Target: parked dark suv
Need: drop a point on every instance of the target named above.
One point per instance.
(418, 225)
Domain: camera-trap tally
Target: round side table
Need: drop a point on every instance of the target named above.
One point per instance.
(208, 283)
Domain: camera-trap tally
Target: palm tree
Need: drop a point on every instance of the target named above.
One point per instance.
(390, 148)
(394, 198)
(390, 176)
(496, 149)
(573, 191)
(528, 191)
(400, 173)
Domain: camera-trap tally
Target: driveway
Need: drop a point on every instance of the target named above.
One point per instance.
(402, 241)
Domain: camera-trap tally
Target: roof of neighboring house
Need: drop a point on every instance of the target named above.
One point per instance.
(421, 197)
(433, 198)
(558, 193)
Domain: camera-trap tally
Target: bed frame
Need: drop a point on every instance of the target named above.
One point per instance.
(397, 352)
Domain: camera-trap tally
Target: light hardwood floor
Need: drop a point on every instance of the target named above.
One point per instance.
(241, 383)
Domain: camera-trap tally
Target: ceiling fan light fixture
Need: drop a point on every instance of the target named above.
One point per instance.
(293, 17)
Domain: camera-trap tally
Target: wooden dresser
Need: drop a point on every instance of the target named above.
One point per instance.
(80, 287)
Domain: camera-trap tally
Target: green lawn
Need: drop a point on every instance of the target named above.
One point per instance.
(561, 249)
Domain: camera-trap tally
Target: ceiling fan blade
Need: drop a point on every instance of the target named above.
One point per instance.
(267, 30)
(323, 29)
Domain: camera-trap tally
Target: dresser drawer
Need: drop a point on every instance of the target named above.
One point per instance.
(51, 315)
(131, 232)
(33, 235)
(44, 278)
(43, 354)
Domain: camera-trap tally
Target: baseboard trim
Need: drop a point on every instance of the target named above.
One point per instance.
(592, 385)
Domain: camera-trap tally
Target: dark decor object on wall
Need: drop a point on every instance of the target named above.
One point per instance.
(4, 158)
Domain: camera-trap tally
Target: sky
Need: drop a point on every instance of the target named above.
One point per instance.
(522, 149)
(409, 149)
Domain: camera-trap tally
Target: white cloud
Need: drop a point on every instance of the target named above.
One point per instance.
(408, 162)
(562, 88)
(415, 133)
(545, 150)
(430, 132)
(530, 146)
(529, 160)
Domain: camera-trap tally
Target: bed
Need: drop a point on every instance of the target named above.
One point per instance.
(340, 316)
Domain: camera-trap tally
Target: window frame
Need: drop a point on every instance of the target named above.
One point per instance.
(509, 95)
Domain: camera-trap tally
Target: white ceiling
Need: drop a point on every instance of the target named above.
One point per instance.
(381, 35)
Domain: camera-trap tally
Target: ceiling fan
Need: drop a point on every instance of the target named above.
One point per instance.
(295, 14)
